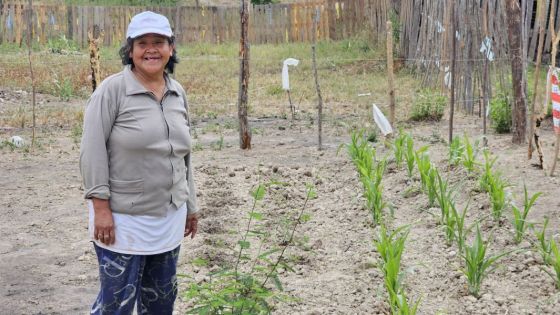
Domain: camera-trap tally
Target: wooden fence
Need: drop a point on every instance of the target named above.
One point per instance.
(276, 23)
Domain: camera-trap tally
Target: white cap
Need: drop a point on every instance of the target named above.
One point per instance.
(148, 22)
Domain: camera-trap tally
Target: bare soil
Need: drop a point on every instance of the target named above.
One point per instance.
(47, 263)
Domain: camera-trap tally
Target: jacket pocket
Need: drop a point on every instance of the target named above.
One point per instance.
(124, 194)
(126, 186)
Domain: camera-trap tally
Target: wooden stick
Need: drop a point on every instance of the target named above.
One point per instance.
(540, 22)
(555, 42)
(29, 36)
(453, 61)
(317, 86)
(244, 130)
(390, 73)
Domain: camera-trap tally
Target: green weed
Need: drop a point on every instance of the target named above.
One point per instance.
(500, 113)
(428, 106)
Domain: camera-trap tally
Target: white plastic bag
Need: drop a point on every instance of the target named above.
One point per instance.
(285, 75)
(381, 121)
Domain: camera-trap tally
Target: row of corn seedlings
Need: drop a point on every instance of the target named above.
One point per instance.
(390, 245)
(477, 264)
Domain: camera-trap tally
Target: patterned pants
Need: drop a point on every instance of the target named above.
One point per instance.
(148, 280)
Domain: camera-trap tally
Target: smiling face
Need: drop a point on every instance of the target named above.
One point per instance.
(150, 53)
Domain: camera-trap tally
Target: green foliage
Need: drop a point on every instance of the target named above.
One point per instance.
(64, 89)
(245, 288)
(497, 191)
(399, 148)
(469, 154)
(428, 106)
(459, 232)
(484, 180)
(61, 45)
(555, 262)
(390, 246)
(370, 172)
(263, 1)
(396, 22)
(520, 218)
(409, 155)
(456, 151)
(544, 245)
(477, 264)
(500, 113)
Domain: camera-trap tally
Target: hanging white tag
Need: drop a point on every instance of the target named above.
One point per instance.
(285, 75)
(381, 121)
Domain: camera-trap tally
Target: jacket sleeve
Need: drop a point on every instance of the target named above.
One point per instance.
(99, 117)
(192, 203)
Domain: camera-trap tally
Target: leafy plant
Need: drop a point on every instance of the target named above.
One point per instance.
(500, 113)
(373, 192)
(520, 218)
(497, 191)
(428, 106)
(409, 156)
(484, 180)
(244, 289)
(390, 246)
(444, 198)
(544, 245)
(424, 166)
(399, 148)
(456, 151)
(477, 264)
(469, 154)
(554, 262)
(459, 232)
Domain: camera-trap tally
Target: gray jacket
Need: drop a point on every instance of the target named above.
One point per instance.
(135, 150)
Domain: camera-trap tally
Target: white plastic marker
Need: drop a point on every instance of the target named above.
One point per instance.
(17, 141)
(486, 48)
(285, 75)
(381, 121)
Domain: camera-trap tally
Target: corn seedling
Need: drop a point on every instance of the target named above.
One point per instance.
(477, 265)
(520, 218)
(399, 148)
(373, 192)
(497, 191)
(409, 155)
(459, 231)
(432, 185)
(487, 173)
(244, 288)
(469, 154)
(390, 247)
(443, 197)
(554, 262)
(456, 151)
(424, 166)
(544, 245)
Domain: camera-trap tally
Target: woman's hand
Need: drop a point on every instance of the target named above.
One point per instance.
(104, 227)
(192, 225)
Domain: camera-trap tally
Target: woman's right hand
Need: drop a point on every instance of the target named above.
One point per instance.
(104, 227)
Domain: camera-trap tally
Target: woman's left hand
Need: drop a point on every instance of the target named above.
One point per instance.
(192, 225)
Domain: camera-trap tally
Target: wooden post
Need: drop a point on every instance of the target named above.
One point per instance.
(29, 37)
(317, 86)
(519, 118)
(94, 38)
(540, 26)
(453, 61)
(390, 73)
(555, 42)
(485, 75)
(244, 130)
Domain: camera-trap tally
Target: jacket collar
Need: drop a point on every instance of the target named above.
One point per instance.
(133, 86)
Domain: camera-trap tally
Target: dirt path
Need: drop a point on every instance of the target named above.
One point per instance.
(47, 265)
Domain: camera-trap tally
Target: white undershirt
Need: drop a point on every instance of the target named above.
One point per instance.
(143, 234)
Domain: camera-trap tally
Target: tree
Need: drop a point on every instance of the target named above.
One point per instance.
(519, 111)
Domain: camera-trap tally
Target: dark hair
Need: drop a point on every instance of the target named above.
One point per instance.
(126, 48)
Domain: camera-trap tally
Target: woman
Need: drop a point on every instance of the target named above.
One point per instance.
(136, 165)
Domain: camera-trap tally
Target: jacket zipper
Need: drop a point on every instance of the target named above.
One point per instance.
(168, 141)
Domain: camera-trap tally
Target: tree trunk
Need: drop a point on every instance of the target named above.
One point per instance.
(519, 111)
(244, 131)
